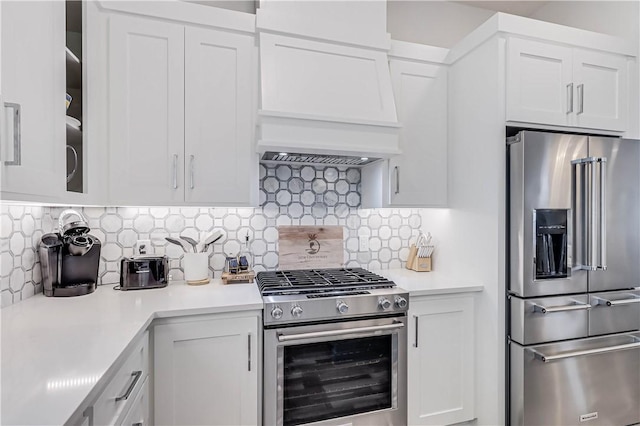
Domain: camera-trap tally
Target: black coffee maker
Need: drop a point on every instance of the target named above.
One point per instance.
(70, 258)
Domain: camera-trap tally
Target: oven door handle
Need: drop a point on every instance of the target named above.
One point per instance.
(331, 333)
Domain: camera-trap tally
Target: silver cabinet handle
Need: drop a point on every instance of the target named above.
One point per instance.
(175, 171)
(136, 376)
(191, 171)
(565, 308)
(603, 213)
(416, 319)
(88, 413)
(548, 358)
(137, 424)
(249, 352)
(569, 98)
(580, 89)
(397, 171)
(331, 333)
(17, 137)
(620, 302)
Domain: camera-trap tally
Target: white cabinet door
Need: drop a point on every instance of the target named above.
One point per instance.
(441, 361)
(32, 126)
(601, 90)
(539, 83)
(146, 111)
(220, 74)
(418, 177)
(205, 372)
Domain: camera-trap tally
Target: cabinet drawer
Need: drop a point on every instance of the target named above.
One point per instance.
(548, 319)
(138, 414)
(592, 380)
(124, 385)
(614, 311)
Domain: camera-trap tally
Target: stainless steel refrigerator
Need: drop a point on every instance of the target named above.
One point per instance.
(573, 289)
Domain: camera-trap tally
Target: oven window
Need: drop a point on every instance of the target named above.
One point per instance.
(335, 379)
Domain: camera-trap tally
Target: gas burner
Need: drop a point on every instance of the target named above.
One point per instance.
(327, 294)
(306, 281)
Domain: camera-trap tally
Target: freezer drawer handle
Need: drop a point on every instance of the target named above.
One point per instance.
(549, 358)
(565, 308)
(329, 333)
(620, 302)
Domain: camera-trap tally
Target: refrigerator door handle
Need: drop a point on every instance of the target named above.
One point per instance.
(582, 214)
(603, 213)
(595, 351)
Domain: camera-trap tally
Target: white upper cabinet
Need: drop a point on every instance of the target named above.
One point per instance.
(182, 107)
(219, 90)
(539, 82)
(32, 117)
(601, 90)
(557, 85)
(418, 177)
(146, 110)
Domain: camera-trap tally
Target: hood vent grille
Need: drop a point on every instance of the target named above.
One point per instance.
(336, 160)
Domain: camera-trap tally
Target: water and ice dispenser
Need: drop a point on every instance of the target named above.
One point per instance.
(551, 244)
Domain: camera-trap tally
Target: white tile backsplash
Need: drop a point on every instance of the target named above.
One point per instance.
(289, 194)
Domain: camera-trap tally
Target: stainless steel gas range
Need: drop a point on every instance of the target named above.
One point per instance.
(334, 348)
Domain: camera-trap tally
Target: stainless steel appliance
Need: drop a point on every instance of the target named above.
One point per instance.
(69, 259)
(574, 280)
(334, 348)
(140, 272)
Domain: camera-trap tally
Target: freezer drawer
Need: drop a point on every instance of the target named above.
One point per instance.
(614, 312)
(549, 319)
(593, 381)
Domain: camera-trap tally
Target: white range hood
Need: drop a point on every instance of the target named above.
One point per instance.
(325, 82)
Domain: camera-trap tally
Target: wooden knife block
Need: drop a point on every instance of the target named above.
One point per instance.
(418, 264)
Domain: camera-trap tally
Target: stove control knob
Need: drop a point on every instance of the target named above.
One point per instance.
(401, 302)
(296, 311)
(342, 307)
(276, 312)
(384, 303)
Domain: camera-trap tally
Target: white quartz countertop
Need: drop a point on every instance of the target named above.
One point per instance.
(54, 350)
(429, 283)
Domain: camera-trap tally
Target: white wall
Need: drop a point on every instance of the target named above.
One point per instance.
(618, 18)
(436, 23)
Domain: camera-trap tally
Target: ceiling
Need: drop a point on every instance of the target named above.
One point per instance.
(522, 8)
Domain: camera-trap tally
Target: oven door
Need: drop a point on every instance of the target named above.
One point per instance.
(339, 373)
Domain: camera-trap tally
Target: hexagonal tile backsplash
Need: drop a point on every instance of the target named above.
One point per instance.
(289, 195)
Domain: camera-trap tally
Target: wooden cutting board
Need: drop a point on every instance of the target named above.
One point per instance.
(308, 247)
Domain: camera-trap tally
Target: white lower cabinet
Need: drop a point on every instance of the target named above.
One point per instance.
(125, 388)
(206, 371)
(441, 378)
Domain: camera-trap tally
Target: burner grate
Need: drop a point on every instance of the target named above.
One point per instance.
(311, 280)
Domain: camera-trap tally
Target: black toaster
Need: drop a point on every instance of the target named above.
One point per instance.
(141, 272)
